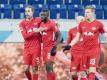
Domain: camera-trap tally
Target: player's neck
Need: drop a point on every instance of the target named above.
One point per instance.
(90, 20)
(30, 19)
(45, 21)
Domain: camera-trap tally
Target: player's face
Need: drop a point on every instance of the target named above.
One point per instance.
(43, 16)
(88, 14)
(29, 13)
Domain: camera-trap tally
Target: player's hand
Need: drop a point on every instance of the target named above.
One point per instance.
(39, 29)
(53, 51)
(67, 47)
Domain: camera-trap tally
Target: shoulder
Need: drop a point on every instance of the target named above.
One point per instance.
(52, 21)
(38, 19)
(83, 22)
(74, 29)
(22, 23)
(98, 22)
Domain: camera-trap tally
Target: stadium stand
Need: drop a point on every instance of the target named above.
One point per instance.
(105, 12)
(17, 2)
(58, 11)
(90, 2)
(74, 10)
(18, 11)
(103, 2)
(53, 2)
(38, 8)
(6, 11)
(99, 11)
(69, 2)
(35, 1)
(4, 1)
(65, 9)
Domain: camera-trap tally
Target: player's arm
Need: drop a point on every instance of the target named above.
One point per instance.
(73, 42)
(66, 45)
(39, 29)
(58, 37)
(105, 36)
(102, 31)
(76, 39)
(26, 34)
(69, 39)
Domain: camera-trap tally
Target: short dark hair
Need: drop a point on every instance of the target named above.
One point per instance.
(45, 10)
(29, 6)
(90, 7)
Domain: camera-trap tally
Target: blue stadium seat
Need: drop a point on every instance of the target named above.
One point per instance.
(58, 11)
(53, 2)
(19, 11)
(17, 2)
(99, 11)
(35, 1)
(69, 2)
(38, 8)
(0, 14)
(105, 12)
(103, 2)
(89, 2)
(3, 1)
(75, 10)
(6, 9)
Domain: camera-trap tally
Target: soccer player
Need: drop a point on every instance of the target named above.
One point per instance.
(32, 45)
(75, 51)
(50, 38)
(90, 30)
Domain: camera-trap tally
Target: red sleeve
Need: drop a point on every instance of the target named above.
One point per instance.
(69, 39)
(102, 30)
(55, 27)
(24, 32)
(79, 28)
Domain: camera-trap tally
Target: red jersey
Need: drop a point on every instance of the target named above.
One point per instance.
(90, 33)
(48, 35)
(27, 28)
(71, 34)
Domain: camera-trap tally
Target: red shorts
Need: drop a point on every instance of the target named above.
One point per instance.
(77, 63)
(46, 54)
(85, 59)
(93, 57)
(32, 55)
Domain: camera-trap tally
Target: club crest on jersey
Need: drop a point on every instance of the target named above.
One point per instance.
(93, 28)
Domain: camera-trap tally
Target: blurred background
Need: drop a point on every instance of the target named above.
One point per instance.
(62, 11)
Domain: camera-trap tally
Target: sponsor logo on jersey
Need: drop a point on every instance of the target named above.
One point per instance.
(93, 28)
